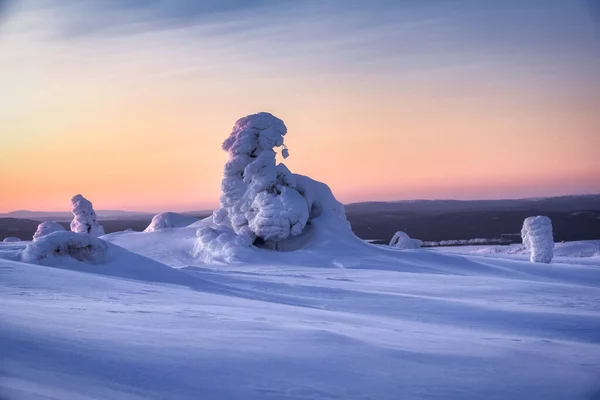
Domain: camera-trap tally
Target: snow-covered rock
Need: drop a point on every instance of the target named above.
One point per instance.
(46, 228)
(401, 240)
(81, 247)
(538, 239)
(11, 239)
(85, 219)
(169, 220)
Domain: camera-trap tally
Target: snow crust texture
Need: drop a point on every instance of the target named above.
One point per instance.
(169, 220)
(538, 239)
(85, 219)
(401, 240)
(46, 228)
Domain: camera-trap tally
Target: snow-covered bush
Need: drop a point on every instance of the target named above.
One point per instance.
(169, 220)
(85, 220)
(262, 203)
(81, 247)
(401, 240)
(538, 239)
(11, 239)
(46, 228)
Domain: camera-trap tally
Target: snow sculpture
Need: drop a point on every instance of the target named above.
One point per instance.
(169, 220)
(538, 239)
(81, 247)
(85, 220)
(262, 203)
(259, 198)
(401, 240)
(45, 228)
(11, 239)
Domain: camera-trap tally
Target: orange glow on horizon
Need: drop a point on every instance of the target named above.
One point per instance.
(136, 122)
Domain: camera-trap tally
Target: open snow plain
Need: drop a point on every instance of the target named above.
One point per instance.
(335, 320)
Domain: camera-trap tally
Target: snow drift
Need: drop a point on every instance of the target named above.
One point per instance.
(81, 247)
(169, 220)
(262, 203)
(11, 239)
(538, 239)
(47, 227)
(401, 240)
(85, 219)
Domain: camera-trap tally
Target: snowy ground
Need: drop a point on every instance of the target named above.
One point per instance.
(355, 322)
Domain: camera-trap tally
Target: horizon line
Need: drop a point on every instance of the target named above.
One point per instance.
(345, 204)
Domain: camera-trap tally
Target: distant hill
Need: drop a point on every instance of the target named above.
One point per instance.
(68, 216)
(102, 214)
(548, 204)
(573, 218)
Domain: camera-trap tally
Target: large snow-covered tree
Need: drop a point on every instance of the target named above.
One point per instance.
(259, 199)
(538, 238)
(262, 203)
(85, 219)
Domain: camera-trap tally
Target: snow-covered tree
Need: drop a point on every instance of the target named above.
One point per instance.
(401, 240)
(263, 203)
(85, 220)
(46, 228)
(538, 239)
(259, 199)
(169, 220)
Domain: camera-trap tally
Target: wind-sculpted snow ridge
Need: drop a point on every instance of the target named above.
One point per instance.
(11, 239)
(85, 219)
(402, 241)
(262, 203)
(47, 227)
(169, 220)
(538, 239)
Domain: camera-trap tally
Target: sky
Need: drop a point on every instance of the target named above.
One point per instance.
(127, 101)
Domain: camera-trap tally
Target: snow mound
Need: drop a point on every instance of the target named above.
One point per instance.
(46, 228)
(401, 240)
(85, 253)
(11, 239)
(262, 203)
(56, 245)
(169, 220)
(85, 220)
(538, 239)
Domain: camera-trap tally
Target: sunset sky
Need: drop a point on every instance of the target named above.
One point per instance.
(128, 101)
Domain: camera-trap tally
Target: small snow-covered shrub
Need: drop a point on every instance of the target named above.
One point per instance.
(85, 220)
(169, 220)
(538, 239)
(81, 247)
(401, 240)
(46, 228)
